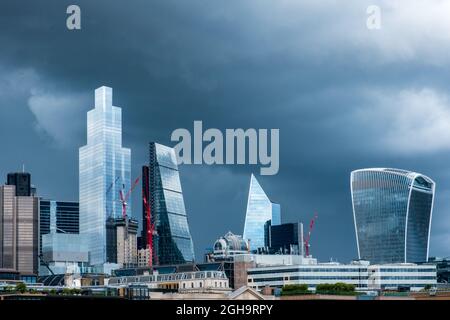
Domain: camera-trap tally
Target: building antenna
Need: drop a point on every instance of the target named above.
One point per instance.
(23, 167)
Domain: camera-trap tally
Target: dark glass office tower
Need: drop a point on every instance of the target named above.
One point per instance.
(284, 238)
(142, 241)
(67, 215)
(22, 181)
(392, 210)
(172, 242)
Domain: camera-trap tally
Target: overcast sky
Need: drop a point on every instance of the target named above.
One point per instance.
(344, 97)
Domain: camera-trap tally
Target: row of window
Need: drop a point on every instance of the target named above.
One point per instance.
(337, 270)
(344, 278)
(360, 270)
(408, 278)
(306, 278)
(407, 270)
(200, 285)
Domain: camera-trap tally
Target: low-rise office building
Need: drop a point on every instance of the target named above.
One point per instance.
(442, 269)
(311, 275)
(400, 276)
(63, 253)
(365, 277)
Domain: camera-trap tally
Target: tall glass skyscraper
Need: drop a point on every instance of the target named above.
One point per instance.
(259, 210)
(172, 242)
(105, 168)
(392, 211)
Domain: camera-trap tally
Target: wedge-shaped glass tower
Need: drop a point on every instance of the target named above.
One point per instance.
(259, 210)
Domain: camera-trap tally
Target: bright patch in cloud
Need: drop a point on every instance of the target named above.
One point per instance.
(59, 116)
(410, 121)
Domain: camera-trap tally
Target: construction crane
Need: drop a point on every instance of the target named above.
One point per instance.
(41, 258)
(308, 237)
(111, 185)
(108, 190)
(150, 229)
(124, 199)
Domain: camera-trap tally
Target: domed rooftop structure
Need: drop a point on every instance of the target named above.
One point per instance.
(229, 245)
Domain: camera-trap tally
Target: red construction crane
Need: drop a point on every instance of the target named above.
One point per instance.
(124, 199)
(150, 229)
(308, 237)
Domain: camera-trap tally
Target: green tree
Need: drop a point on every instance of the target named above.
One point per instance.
(9, 289)
(21, 287)
(76, 291)
(67, 291)
(335, 288)
(294, 289)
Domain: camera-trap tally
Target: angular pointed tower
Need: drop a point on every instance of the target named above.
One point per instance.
(259, 210)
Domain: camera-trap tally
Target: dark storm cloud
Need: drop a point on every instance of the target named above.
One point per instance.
(338, 93)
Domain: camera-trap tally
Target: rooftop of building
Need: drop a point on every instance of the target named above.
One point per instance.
(402, 172)
(231, 242)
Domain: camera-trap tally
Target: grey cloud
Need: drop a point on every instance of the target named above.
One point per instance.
(308, 68)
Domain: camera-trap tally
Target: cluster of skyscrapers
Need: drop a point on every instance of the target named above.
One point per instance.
(105, 185)
(97, 233)
(392, 213)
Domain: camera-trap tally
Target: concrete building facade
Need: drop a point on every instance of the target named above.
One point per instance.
(18, 231)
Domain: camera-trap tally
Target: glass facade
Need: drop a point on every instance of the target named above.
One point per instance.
(64, 247)
(285, 238)
(172, 241)
(22, 181)
(105, 168)
(66, 214)
(392, 211)
(259, 210)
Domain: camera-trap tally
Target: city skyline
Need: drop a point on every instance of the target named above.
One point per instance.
(343, 97)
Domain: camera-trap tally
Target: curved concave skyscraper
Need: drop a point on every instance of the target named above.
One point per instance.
(392, 211)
